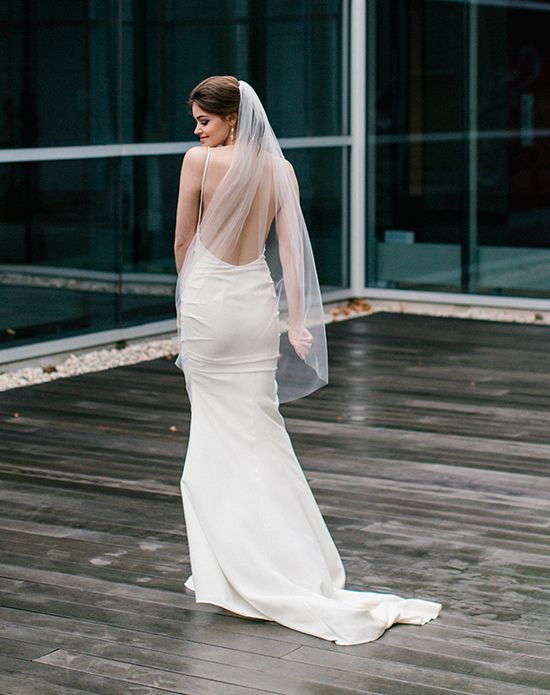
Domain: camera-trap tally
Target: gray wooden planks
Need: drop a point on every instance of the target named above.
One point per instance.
(427, 453)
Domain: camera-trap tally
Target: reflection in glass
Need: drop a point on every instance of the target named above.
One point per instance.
(513, 215)
(58, 248)
(87, 244)
(419, 230)
(419, 160)
(289, 52)
(58, 76)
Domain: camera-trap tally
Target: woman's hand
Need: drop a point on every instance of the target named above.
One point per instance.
(301, 340)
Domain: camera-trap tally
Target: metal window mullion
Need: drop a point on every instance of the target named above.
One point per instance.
(37, 154)
(344, 127)
(470, 256)
(358, 135)
(369, 186)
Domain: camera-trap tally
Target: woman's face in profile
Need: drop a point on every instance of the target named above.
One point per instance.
(212, 130)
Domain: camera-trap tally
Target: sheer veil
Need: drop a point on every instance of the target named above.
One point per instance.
(256, 210)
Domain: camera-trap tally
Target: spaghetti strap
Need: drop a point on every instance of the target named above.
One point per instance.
(202, 187)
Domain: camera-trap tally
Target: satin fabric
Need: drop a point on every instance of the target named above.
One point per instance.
(258, 543)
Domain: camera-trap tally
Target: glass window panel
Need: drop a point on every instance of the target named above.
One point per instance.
(150, 192)
(513, 178)
(304, 44)
(420, 153)
(58, 248)
(167, 48)
(87, 244)
(419, 66)
(419, 216)
(58, 74)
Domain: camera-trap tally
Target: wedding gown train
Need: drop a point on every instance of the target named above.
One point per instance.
(258, 543)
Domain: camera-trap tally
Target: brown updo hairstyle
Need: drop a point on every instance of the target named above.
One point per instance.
(218, 94)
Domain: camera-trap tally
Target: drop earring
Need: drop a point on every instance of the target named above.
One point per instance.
(232, 135)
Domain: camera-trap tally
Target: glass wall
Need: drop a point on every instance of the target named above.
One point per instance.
(420, 162)
(513, 167)
(94, 124)
(462, 117)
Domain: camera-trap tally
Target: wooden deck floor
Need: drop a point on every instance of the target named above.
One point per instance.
(429, 455)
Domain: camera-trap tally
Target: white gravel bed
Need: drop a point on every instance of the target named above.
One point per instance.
(85, 362)
(60, 366)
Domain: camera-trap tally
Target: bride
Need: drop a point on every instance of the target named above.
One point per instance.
(251, 335)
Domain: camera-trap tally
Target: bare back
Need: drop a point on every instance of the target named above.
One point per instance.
(259, 218)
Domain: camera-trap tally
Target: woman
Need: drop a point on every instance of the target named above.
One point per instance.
(258, 544)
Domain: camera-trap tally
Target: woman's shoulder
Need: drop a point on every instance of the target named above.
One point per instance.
(289, 166)
(193, 164)
(195, 155)
(291, 171)
(281, 161)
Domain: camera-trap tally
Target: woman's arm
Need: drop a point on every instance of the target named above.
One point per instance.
(287, 254)
(291, 255)
(187, 211)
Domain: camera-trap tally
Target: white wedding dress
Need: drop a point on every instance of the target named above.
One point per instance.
(258, 543)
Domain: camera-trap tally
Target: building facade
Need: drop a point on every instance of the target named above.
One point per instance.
(417, 129)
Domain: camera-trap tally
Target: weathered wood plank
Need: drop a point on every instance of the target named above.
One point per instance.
(428, 455)
(18, 677)
(172, 672)
(465, 675)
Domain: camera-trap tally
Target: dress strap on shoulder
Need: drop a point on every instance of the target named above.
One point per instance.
(202, 185)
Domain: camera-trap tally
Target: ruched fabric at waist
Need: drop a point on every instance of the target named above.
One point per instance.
(229, 364)
(229, 316)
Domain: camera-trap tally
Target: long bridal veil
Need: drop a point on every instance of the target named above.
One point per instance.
(260, 187)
